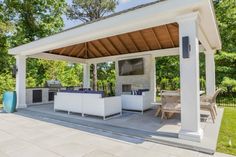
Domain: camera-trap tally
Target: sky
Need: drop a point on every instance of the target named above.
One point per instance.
(123, 4)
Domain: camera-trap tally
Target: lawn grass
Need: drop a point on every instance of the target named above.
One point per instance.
(228, 132)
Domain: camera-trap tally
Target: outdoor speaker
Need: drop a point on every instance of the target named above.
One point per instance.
(14, 71)
(185, 46)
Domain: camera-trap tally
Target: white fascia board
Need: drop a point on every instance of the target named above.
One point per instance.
(55, 57)
(209, 26)
(150, 16)
(154, 53)
(203, 39)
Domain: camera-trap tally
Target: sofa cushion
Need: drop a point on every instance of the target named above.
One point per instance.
(83, 92)
(171, 106)
(140, 91)
(95, 92)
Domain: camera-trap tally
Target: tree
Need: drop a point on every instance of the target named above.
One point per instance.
(89, 10)
(5, 28)
(225, 66)
(106, 76)
(226, 16)
(34, 19)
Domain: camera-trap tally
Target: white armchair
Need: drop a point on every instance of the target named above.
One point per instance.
(137, 102)
(94, 104)
(70, 102)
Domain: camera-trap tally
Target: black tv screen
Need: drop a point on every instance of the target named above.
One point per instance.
(131, 67)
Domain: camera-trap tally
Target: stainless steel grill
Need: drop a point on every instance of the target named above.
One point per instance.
(53, 85)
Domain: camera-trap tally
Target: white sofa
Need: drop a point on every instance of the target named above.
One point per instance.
(88, 104)
(137, 102)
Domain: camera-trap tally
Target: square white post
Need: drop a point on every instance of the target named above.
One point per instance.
(95, 78)
(153, 78)
(21, 81)
(86, 75)
(210, 72)
(189, 79)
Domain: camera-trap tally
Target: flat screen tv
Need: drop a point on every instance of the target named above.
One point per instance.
(131, 67)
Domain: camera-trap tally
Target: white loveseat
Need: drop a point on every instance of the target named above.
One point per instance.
(88, 104)
(137, 102)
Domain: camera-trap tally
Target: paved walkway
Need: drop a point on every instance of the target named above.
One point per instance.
(24, 137)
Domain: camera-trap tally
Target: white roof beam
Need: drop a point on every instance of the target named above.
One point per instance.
(49, 56)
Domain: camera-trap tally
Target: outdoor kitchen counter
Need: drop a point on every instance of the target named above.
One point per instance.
(38, 95)
(42, 95)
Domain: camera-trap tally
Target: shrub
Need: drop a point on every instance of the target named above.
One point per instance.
(228, 84)
(7, 83)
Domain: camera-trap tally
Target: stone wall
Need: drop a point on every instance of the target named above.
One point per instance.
(137, 81)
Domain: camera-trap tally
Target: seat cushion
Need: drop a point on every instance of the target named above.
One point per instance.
(205, 105)
(171, 106)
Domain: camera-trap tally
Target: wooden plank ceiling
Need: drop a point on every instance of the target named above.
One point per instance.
(161, 37)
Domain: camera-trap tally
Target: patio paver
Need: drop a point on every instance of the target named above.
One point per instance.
(52, 140)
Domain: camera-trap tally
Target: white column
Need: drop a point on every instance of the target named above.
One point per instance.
(95, 77)
(153, 78)
(210, 72)
(86, 75)
(21, 81)
(118, 86)
(189, 74)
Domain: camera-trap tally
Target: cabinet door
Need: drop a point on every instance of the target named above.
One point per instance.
(37, 96)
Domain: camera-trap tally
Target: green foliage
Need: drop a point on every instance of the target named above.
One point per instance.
(68, 74)
(226, 16)
(34, 19)
(106, 77)
(89, 10)
(167, 71)
(225, 66)
(5, 28)
(7, 83)
(228, 84)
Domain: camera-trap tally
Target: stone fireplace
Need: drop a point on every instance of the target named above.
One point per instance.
(124, 84)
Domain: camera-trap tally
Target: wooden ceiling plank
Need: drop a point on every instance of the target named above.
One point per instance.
(66, 50)
(134, 44)
(113, 45)
(80, 52)
(144, 40)
(156, 37)
(62, 51)
(98, 51)
(103, 45)
(92, 53)
(169, 34)
(73, 50)
(86, 50)
(122, 43)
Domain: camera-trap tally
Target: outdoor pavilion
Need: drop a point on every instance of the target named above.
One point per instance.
(155, 29)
